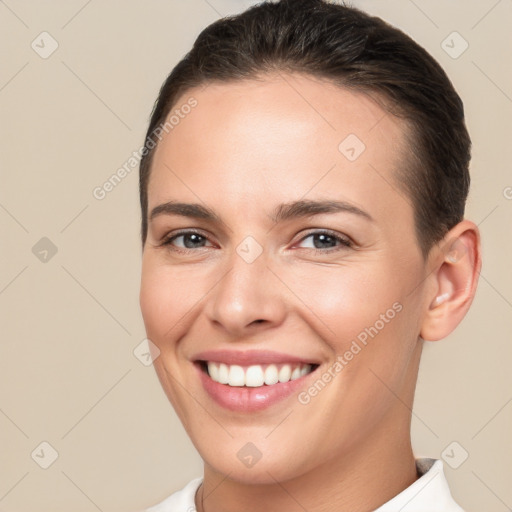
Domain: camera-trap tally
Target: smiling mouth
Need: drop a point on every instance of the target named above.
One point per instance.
(255, 375)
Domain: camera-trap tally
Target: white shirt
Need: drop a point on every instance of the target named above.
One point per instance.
(430, 493)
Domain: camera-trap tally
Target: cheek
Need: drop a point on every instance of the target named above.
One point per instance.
(167, 296)
(363, 315)
(154, 305)
(347, 300)
(164, 302)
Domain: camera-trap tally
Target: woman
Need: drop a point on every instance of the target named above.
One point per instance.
(302, 189)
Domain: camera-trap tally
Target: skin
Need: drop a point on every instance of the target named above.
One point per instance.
(247, 147)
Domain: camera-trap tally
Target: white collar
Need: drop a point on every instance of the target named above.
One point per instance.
(430, 493)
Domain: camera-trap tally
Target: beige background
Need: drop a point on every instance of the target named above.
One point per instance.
(68, 374)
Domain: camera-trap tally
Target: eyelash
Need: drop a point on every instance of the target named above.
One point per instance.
(345, 243)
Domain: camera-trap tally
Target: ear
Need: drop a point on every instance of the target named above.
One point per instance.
(457, 263)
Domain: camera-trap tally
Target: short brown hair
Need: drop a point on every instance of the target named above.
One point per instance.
(353, 50)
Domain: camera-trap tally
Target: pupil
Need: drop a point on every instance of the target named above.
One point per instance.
(322, 238)
(194, 237)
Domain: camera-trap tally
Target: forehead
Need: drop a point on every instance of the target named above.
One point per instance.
(277, 138)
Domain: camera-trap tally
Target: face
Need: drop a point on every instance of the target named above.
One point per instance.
(299, 260)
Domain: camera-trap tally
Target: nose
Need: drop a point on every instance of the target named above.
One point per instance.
(248, 298)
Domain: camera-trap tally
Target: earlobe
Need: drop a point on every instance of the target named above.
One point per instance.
(454, 280)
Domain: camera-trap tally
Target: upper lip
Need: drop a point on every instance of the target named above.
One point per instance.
(250, 357)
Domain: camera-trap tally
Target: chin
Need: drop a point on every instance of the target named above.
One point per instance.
(244, 463)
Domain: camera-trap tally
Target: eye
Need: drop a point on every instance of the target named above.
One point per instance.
(326, 241)
(320, 241)
(190, 240)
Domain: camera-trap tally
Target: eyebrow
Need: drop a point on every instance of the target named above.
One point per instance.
(283, 212)
(307, 208)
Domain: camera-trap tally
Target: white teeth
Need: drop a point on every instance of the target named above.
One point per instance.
(223, 373)
(236, 375)
(213, 370)
(255, 376)
(285, 373)
(295, 373)
(271, 375)
(305, 369)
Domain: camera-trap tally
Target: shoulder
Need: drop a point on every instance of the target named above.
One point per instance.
(180, 501)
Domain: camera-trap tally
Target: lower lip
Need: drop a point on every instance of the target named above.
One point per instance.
(248, 399)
